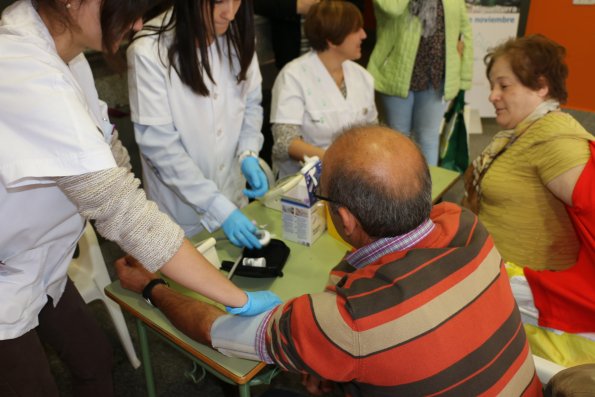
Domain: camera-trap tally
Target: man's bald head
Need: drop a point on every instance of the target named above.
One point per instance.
(381, 177)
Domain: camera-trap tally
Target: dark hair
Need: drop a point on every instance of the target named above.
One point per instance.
(535, 60)
(331, 20)
(116, 17)
(186, 18)
(381, 210)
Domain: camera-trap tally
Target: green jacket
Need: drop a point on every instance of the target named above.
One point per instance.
(398, 36)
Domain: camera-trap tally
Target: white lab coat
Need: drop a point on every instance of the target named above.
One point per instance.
(190, 143)
(51, 124)
(305, 94)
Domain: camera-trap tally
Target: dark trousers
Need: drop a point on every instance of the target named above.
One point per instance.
(280, 393)
(70, 329)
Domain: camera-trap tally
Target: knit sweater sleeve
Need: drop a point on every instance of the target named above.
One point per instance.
(283, 135)
(120, 152)
(123, 214)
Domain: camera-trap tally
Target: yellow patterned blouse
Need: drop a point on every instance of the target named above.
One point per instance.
(529, 224)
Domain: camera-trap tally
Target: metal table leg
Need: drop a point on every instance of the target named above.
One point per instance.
(244, 390)
(146, 358)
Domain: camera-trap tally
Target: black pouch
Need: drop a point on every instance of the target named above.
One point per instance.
(275, 253)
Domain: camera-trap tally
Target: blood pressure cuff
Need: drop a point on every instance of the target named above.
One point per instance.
(275, 254)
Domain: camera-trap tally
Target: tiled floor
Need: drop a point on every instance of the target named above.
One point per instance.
(168, 365)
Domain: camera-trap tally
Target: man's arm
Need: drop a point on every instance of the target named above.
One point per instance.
(192, 317)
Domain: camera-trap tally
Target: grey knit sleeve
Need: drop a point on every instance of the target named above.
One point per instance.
(120, 152)
(283, 134)
(124, 215)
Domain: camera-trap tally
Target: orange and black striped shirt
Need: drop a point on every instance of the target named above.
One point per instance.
(436, 319)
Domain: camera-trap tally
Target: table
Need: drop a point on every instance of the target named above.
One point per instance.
(306, 271)
(442, 181)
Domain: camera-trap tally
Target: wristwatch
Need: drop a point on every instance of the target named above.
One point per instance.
(149, 288)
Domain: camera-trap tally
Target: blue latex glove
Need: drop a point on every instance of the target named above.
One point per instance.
(258, 302)
(241, 231)
(255, 176)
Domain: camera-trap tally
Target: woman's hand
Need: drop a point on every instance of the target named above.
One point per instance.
(255, 176)
(460, 47)
(240, 230)
(258, 302)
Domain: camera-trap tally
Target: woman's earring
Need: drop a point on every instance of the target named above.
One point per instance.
(68, 5)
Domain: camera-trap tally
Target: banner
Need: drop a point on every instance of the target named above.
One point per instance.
(493, 22)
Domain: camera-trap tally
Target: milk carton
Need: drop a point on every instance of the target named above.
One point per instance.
(303, 214)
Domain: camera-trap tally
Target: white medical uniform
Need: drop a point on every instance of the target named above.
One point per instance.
(190, 143)
(305, 94)
(51, 124)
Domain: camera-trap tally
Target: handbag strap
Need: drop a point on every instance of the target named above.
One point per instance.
(474, 175)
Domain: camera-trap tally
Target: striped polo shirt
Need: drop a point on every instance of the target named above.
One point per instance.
(437, 318)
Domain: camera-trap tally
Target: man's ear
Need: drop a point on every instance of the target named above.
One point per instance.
(349, 221)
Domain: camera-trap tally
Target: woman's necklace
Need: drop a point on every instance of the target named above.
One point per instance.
(338, 77)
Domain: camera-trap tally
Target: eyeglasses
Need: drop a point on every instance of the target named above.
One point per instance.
(319, 196)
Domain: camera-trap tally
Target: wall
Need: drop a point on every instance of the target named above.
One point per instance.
(573, 26)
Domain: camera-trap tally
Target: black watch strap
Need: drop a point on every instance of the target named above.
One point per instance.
(149, 288)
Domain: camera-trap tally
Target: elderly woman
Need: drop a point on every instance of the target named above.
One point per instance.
(522, 187)
(323, 91)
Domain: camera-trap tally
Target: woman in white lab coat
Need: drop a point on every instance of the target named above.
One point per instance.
(62, 163)
(322, 92)
(195, 93)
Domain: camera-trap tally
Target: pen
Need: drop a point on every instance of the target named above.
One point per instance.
(234, 267)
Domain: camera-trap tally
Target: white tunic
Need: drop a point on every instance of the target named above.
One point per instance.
(305, 94)
(51, 124)
(190, 143)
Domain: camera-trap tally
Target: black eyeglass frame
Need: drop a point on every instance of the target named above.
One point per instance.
(325, 198)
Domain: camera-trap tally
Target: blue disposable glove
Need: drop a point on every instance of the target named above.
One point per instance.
(241, 231)
(258, 302)
(255, 176)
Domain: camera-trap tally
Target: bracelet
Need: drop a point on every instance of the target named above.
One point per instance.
(149, 288)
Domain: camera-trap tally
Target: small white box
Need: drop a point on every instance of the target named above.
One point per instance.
(301, 223)
(303, 191)
(304, 219)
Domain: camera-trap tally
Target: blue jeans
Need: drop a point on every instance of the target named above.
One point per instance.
(419, 116)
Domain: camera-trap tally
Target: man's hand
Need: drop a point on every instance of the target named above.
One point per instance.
(316, 386)
(132, 274)
(302, 6)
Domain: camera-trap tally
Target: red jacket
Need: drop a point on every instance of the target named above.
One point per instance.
(566, 299)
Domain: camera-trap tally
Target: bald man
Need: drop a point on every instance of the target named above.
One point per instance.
(422, 306)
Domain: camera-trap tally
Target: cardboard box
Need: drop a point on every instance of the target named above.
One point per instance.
(302, 224)
(304, 219)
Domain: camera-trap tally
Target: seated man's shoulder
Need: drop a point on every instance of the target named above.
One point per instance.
(447, 213)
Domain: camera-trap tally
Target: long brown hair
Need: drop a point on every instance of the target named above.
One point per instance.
(186, 20)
